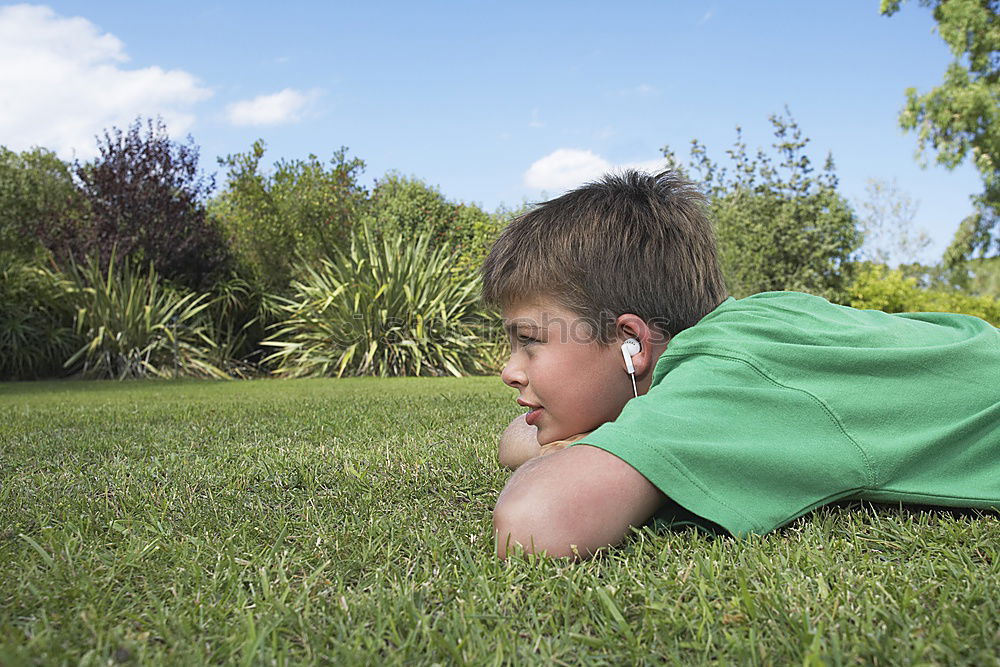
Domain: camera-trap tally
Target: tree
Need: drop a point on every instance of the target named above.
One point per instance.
(892, 291)
(409, 207)
(960, 119)
(146, 201)
(39, 201)
(779, 225)
(302, 209)
(887, 225)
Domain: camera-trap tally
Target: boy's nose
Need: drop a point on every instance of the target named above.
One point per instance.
(513, 376)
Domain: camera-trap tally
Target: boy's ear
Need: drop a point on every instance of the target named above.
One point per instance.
(629, 325)
(652, 342)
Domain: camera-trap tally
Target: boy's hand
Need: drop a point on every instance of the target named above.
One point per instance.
(519, 443)
(562, 444)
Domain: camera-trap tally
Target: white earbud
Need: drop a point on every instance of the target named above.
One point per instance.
(630, 348)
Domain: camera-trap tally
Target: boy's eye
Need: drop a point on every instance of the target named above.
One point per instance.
(525, 340)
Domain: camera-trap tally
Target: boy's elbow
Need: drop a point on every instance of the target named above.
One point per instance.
(522, 526)
(573, 504)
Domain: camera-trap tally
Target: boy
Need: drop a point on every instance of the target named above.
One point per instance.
(683, 403)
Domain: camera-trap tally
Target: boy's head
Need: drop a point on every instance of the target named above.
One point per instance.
(630, 256)
(629, 243)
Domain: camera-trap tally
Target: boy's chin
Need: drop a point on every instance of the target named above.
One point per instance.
(542, 442)
(546, 436)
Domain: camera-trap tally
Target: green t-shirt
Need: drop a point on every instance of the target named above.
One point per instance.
(781, 402)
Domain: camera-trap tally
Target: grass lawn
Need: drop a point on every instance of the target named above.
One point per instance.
(348, 521)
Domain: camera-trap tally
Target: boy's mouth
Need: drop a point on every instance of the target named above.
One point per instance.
(533, 411)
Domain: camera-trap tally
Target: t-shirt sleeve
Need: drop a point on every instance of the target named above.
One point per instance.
(733, 446)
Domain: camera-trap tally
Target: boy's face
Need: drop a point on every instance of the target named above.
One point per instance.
(569, 383)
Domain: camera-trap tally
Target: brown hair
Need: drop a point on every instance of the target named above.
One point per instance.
(629, 243)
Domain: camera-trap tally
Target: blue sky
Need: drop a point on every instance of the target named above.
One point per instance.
(493, 102)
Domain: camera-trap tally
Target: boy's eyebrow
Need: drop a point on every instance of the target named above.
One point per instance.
(511, 326)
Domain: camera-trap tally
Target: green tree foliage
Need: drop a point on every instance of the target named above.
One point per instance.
(886, 221)
(402, 206)
(876, 287)
(39, 201)
(146, 200)
(974, 277)
(409, 207)
(302, 209)
(960, 119)
(483, 231)
(780, 226)
(984, 276)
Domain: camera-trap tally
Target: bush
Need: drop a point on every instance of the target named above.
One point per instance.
(779, 225)
(409, 207)
(772, 241)
(132, 324)
(146, 201)
(876, 287)
(406, 206)
(303, 209)
(480, 232)
(39, 202)
(235, 321)
(385, 307)
(979, 276)
(36, 333)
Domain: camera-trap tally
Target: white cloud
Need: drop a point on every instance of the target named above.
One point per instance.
(567, 168)
(62, 82)
(707, 17)
(286, 106)
(535, 122)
